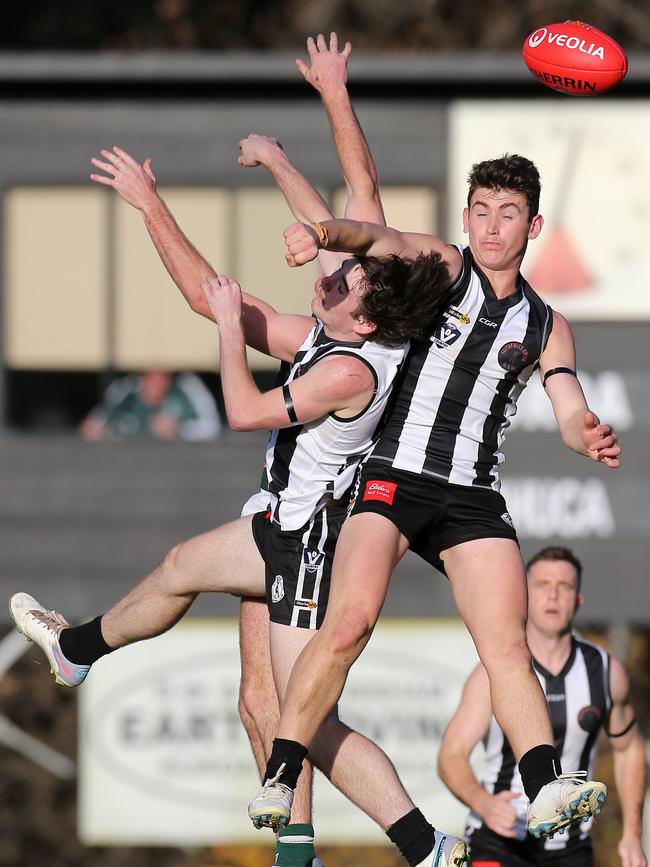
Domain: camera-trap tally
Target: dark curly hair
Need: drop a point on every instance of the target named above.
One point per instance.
(558, 552)
(402, 299)
(509, 172)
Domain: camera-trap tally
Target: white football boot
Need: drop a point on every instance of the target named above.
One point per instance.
(43, 628)
(271, 806)
(448, 852)
(569, 799)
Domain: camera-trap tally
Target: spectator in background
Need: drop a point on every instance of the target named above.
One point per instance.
(154, 403)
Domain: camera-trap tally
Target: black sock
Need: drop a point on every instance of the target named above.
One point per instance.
(537, 767)
(413, 836)
(84, 644)
(289, 753)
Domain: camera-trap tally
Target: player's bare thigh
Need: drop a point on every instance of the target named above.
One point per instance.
(368, 549)
(488, 583)
(286, 644)
(225, 560)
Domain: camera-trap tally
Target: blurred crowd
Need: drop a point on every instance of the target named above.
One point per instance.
(415, 25)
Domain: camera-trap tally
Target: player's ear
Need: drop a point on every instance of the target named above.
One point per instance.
(580, 599)
(466, 220)
(363, 327)
(535, 226)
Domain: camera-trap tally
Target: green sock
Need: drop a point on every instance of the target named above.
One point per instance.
(295, 846)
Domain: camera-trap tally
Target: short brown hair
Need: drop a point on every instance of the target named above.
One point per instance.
(558, 552)
(509, 172)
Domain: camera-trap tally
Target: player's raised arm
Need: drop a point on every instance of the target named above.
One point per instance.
(580, 428)
(327, 72)
(136, 184)
(466, 728)
(364, 239)
(629, 766)
(304, 201)
(336, 384)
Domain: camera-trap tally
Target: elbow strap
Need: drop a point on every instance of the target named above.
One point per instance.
(555, 370)
(625, 730)
(288, 404)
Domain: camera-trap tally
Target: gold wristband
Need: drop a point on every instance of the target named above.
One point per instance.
(323, 238)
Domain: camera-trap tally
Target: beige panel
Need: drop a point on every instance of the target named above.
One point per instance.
(55, 278)
(261, 217)
(154, 326)
(411, 209)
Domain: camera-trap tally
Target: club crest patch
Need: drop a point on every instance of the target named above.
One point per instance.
(513, 356)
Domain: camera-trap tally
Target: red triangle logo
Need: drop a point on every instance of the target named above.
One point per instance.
(558, 268)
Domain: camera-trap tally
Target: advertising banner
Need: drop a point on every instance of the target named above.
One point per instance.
(164, 758)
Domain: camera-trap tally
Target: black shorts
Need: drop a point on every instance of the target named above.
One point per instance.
(298, 566)
(431, 513)
(487, 849)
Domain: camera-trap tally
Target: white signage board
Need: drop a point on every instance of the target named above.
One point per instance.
(591, 260)
(164, 758)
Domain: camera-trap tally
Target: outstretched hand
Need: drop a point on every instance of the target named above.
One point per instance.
(601, 441)
(329, 68)
(256, 149)
(302, 244)
(224, 298)
(135, 183)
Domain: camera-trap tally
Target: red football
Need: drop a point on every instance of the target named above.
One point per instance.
(574, 58)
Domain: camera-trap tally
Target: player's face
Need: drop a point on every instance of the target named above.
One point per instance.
(553, 597)
(499, 228)
(336, 300)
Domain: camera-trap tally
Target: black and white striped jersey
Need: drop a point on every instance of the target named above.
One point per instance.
(579, 702)
(311, 463)
(460, 387)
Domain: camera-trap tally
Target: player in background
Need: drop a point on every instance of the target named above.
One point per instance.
(432, 482)
(588, 692)
(228, 560)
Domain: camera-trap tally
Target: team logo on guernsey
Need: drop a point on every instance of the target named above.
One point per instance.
(589, 718)
(377, 490)
(513, 356)
(312, 558)
(445, 334)
(277, 589)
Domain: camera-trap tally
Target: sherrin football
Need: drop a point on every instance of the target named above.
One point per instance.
(575, 58)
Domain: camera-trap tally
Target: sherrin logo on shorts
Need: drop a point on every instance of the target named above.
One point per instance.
(379, 490)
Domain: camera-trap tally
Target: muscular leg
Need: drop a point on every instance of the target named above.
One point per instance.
(368, 548)
(488, 583)
(258, 701)
(355, 765)
(367, 551)
(225, 560)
